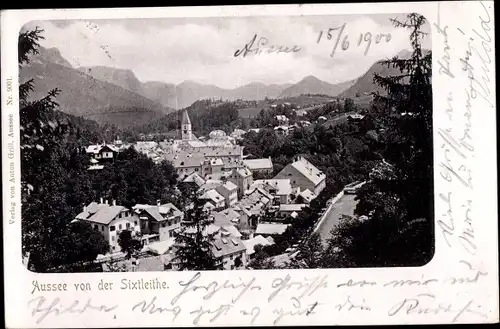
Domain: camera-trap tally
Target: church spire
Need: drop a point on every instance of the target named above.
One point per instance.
(185, 118)
(186, 126)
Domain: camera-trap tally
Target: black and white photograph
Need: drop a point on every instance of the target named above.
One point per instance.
(226, 143)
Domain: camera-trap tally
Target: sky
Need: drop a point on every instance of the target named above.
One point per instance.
(174, 50)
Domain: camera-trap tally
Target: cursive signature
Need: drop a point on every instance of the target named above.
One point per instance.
(260, 46)
(44, 309)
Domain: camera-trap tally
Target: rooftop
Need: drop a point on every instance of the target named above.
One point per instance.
(292, 207)
(159, 213)
(100, 213)
(271, 228)
(194, 178)
(255, 164)
(223, 246)
(309, 171)
(282, 186)
(212, 195)
(251, 243)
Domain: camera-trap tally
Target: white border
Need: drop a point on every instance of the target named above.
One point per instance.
(448, 299)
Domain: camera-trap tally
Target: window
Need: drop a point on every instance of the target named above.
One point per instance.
(114, 248)
(120, 226)
(128, 225)
(113, 238)
(135, 222)
(163, 224)
(96, 227)
(111, 228)
(120, 215)
(102, 228)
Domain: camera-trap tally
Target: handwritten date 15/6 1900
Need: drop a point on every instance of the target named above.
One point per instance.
(367, 38)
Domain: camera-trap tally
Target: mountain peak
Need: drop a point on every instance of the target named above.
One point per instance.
(310, 78)
(50, 55)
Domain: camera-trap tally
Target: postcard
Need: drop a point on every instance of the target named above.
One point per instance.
(262, 165)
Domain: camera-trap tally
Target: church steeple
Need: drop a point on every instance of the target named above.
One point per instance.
(186, 126)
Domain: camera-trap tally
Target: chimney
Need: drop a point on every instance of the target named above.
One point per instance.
(101, 201)
(84, 208)
(107, 201)
(114, 202)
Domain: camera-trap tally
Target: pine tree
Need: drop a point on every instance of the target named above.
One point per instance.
(311, 254)
(49, 239)
(194, 242)
(397, 199)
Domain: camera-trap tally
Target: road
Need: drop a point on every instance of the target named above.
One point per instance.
(345, 205)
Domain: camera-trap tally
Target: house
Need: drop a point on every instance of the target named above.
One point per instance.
(187, 163)
(194, 180)
(210, 184)
(279, 189)
(230, 251)
(282, 130)
(264, 166)
(305, 196)
(322, 119)
(159, 220)
(355, 117)
(270, 229)
(238, 133)
(214, 198)
(232, 217)
(110, 220)
(301, 113)
(253, 204)
(242, 178)
(102, 152)
(286, 210)
(257, 240)
(282, 119)
(94, 165)
(145, 147)
(229, 191)
(303, 175)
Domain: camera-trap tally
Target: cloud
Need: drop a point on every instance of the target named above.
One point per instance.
(202, 49)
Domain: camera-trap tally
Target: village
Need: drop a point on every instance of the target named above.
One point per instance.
(237, 202)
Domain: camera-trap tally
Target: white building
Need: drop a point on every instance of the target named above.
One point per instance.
(303, 175)
(264, 165)
(159, 222)
(229, 191)
(279, 189)
(110, 220)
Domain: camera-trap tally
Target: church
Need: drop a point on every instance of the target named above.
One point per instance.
(216, 138)
(212, 158)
